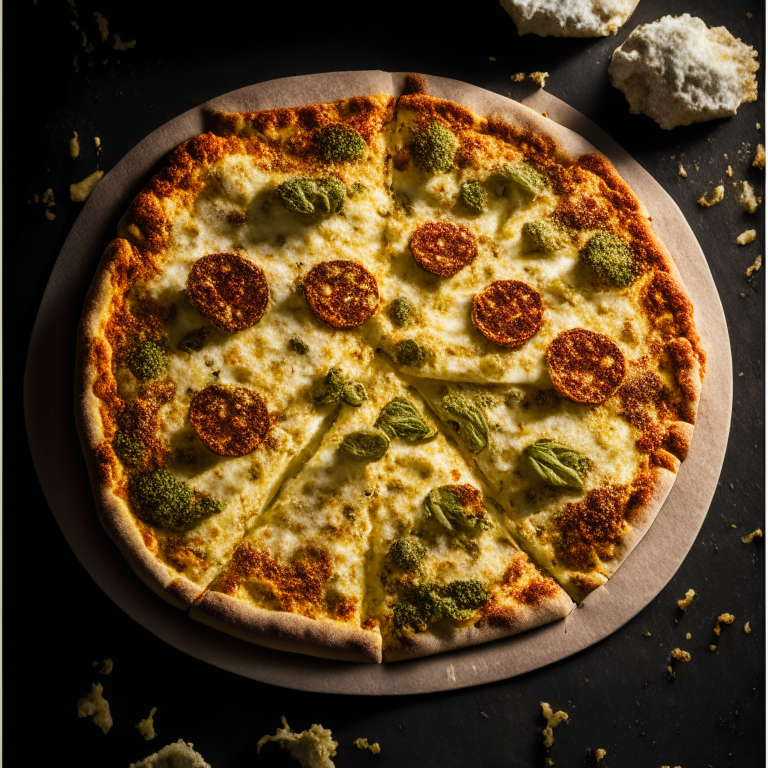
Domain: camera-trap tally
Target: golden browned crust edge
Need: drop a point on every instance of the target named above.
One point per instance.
(287, 631)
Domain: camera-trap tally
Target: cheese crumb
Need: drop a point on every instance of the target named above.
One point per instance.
(600, 754)
(74, 146)
(646, 634)
(146, 727)
(491, 58)
(50, 215)
(723, 618)
(518, 77)
(48, 197)
(79, 192)
(119, 45)
(681, 171)
(747, 628)
(104, 667)
(748, 539)
(678, 654)
(746, 237)
(729, 171)
(103, 26)
(97, 144)
(95, 706)
(540, 78)
(759, 161)
(362, 743)
(173, 756)
(553, 720)
(747, 198)
(313, 748)
(717, 194)
(685, 603)
(687, 635)
(671, 673)
(713, 648)
(755, 266)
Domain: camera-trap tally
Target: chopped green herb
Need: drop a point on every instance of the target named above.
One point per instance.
(336, 387)
(297, 345)
(558, 464)
(526, 176)
(367, 444)
(399, 418)
(420, 606)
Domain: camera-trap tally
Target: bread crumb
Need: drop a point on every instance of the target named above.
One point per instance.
(553, 720)
(671, 673)
(48, 197)
(313, 748)
(484, 714)
(491, 58)
(717, 194)
(97, 144)
(79, 192)
(678, 654)
(104, 667)
(362, 743)
(747, 198)
(713, 648)
(146, 727)
(746, 237)
(50, 215)
(758, 532)
(600, 754)
(646, 634)
(685, 603)
(687, 635)
(173, 756)
(747, 628)
(681, 171)
(759, 160)
(95, 706)
(723, 618)
(74, 146)
(75, 65)
(548, 761)
(540, 78)
(103, 26)
(518, 77)
(119, 45)
(729, 171)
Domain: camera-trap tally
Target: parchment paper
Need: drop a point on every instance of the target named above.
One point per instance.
(49, 398)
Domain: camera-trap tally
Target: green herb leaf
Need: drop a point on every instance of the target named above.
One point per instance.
(468, 415)
(367, 444)
(298, 345)
(558, 464)
(399, 418)
(336, 387)
(457, 508)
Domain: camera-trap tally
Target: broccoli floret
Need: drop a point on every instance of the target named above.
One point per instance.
(457, 508)
(339, 144)
(474, 196)
(407, 615)
(297, 345)
(407, 554)
(423, 605)
(306, 196)
(147, 361)
(467, 414)
(410, 353)
(128, 449)
(336, 387)
(611, 258)
(543, 236)
(469, 594)
(401, 311)
(434, 148)
(194, 341)
(526, 176)
(162, 500)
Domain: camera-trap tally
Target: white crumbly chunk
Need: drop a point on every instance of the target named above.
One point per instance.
(119, 45)
(95, 706)
(678, 654)
(758, 262)
(759, 160)
(729, 171)
(518, 77)
(758, 532)
(362, 743)
(685, 603)
(79, 192)
(146, 727)
(74, 146)
(599, 755)
(313, 748)
(678, 71)
(177, 755)
(723, 618)
(103, 26)
(747, 199)
(747, 628)
(746, 237)
(569, 18)
(540, 78)
(717, 194)
(50, 215)
(553, 719)
(681, 171)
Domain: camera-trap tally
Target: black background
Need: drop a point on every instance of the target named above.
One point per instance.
(57, 620)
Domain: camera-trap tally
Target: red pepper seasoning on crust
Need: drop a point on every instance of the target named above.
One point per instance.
(342, 293)
(443, 248)
(508, 312)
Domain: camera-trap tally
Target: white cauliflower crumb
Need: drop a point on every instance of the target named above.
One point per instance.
(723, 618)
(119, 45)
(74, 146)
(362, 743)
(540, 78)
(681, 171)
(759, 161)
(95, 706)
(569, 18)
(747, 198)
(79, 192)
(553, 720)
(678, 71)
(103, 26)
(756, 264)
(758, 532)
(146, 727)
(313, 748)
(746, 237)
(717, 194)
(685, 603)
(176, 755)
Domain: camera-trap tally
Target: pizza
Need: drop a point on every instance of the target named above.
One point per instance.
(381, 378)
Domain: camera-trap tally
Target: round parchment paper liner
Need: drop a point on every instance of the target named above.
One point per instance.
(49, 411)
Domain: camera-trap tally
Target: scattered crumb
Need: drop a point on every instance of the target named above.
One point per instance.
(374, 748)
(747, 198)
(484, 714)
(518, 77)
(685, 603)
(491, 58)
(687, 635)
(717, 194)
(733, 525)
(678, 654)
(105, 667)
(74, 146)
(681, 171)
(723, 618)
(119, 45)
(50, 215)
(48, 197)
(540, 78)
(741, 373)
(75, 65)
(671, 673)
(749, 14)
(743, 295)
(173, 756)
(746, 237)
(600, 754)
(747, 628)
(79, 192)
(713, 648)
(97, 144)
(756, 533)
(95, 706)
(759, 160)
(729, 171)
(553, 719)
(103, 26)
(146, 727)
(758, 126)
(313, 748)
(548, 761)
(646, 634)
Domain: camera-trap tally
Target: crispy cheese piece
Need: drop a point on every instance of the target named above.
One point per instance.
(508, 312)
(747, 199)
(759, 159)
(569, 18)
(723, 618)
(680, 655)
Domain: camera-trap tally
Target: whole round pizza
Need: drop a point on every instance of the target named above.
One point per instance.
(383, 377)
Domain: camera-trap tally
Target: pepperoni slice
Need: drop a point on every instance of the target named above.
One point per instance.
(230, 421)
(443, 248)
(342, 293)
(585, 366)
(230, 290)
(508, 312)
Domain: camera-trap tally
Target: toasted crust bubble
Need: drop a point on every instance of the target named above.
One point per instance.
(585, 366)
(508, 312)
(230, 290)
(230, 421)
(342, 293)
(443, 248)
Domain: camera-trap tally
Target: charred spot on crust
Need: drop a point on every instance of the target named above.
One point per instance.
(230, 290)
(342, 293)
(415, 84)
(443, 248)
(585, 366)
(230, 421)
(508, 312)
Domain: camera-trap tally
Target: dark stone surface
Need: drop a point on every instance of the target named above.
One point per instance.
(57, 621)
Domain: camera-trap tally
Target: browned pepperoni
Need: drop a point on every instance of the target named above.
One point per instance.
(508, 312)
(342, 293)
(230, 290)
(585, 366)
(443, 248)
(231, 421)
